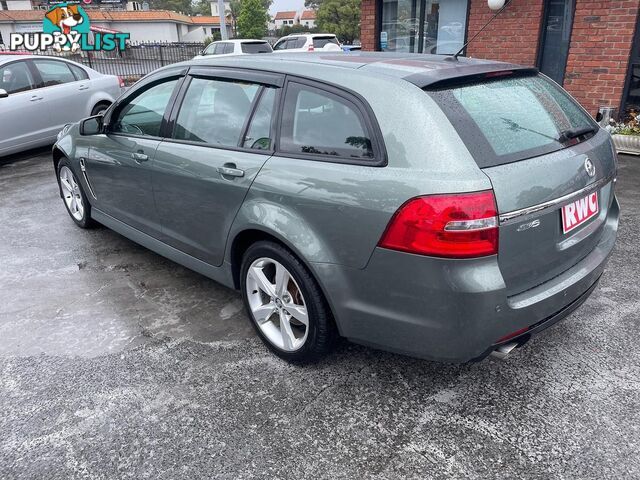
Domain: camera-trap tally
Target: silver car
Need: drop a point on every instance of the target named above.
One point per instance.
(435, 207)
(39, 95)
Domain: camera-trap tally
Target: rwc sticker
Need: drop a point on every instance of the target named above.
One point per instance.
(578, 212)
(67, 27)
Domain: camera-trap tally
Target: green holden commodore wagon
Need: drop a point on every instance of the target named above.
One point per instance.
(437, 208)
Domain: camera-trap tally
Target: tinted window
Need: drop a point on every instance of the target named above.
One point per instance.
(215, 112)
(228, 48)
(321, 123)
(262, 47)
(319, 42)
(143, 114)
(299, 42)
(259, 134)
(281, 45)
(220, 48)
(511, 119)
(16, 77)
(78, 72)
(54, 73)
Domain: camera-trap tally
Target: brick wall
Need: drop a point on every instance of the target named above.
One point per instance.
(511, 37)
(599, 53)
(368, 24)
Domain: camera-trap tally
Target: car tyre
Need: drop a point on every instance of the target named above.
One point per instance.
(285, 304)
(73, 196)
(100, 108)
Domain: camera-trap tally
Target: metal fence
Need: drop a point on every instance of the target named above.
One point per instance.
(137, 60)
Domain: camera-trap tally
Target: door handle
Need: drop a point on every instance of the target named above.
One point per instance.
(83, 87)
(230, 171)
(139, 157)
(35, 98)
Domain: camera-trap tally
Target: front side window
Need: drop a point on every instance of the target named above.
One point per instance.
(210, 50)
(54, 73)
(16, 78)
(281, 45)
(320, 123)
(144, 113)
(215, 111)
(418, 26)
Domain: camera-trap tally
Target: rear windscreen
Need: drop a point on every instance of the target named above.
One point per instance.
(258, 47)
(510, 119)
(320, 42)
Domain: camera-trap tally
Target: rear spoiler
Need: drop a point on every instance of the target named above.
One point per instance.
(465, 74)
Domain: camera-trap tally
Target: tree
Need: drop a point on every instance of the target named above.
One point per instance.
(341, 17)
(234, 10)
(201, 7)
(182, 6)
(253, 18)
(313, 4)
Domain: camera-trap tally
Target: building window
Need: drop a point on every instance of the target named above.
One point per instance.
(556, 35)
(423, 26)
(3, 6)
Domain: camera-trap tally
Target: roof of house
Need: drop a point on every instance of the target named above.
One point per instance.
(308, 15)
(288, 15)
(11, 16)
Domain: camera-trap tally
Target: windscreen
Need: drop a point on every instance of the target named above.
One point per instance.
(256, 47)
(510, 119)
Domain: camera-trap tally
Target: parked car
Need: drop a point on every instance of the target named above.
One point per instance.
(235, 47)
(307, 42)
(438, 208)
(39, 95)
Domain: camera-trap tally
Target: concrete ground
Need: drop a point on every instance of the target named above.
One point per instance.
(117, 363)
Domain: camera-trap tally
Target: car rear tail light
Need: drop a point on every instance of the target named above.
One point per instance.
(121, 80)
(451, 226)
(312, 48)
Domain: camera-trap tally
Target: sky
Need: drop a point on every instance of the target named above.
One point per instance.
(281, 5)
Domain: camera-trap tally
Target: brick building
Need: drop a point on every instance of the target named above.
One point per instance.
(590, 47)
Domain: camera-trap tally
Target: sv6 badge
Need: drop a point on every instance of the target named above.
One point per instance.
(527, 226)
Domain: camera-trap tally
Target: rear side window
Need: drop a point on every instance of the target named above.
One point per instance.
(318, 122)
(299, 43)
(54, 73)
(78, 72)
(215, 112)
(228, 48)
(511, 119)
(320, 42)
(262, 47)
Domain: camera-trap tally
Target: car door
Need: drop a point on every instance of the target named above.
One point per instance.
(66, 97)
(120, 161)
(221, 137)
(23, 120)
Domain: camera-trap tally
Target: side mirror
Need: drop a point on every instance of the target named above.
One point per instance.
(91, 125)
(3, 93)
(202, 52)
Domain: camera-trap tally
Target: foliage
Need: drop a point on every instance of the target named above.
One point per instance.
(341, 17)
(253, 19)
(234, 10)
(201, 7)
(182, 6)
(313, 4)
(631, 127)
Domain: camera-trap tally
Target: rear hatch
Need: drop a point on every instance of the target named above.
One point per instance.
(550, 166)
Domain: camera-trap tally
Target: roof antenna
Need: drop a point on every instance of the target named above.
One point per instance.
(498, 5)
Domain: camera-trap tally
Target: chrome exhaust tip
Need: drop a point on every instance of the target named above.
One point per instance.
(503, 351)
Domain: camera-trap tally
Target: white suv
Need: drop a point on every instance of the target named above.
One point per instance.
(308, 42)
(226, 48)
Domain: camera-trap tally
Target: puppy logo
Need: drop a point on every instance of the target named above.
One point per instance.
(66, 21)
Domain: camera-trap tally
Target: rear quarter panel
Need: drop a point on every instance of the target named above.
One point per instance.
(336, 213)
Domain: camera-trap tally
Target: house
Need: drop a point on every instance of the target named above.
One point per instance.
(143, 26)
(286, 18)
(594, 53)
(308, 19)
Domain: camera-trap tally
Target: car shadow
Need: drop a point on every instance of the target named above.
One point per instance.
(26, 155)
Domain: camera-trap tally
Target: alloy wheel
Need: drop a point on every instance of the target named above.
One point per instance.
(71, 193)
(277, 304)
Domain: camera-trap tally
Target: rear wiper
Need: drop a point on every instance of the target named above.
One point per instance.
(575, 133)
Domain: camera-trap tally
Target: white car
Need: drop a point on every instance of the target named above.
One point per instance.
(39, 95)
(308, 42)
(227, 48)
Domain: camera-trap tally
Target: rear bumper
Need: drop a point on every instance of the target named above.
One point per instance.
(452, 310)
